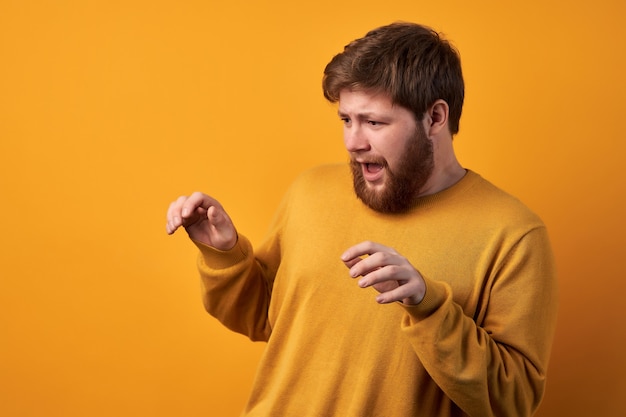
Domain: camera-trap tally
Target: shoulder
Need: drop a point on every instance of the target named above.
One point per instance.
(487, 198)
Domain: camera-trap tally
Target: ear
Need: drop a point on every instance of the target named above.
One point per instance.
(436, 120)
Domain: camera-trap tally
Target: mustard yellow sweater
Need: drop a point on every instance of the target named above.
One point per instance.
(478, 344)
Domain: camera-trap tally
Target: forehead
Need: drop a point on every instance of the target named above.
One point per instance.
(362, 98)
(369, 102)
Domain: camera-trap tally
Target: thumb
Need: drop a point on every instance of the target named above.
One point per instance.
(216, 217)
(224, 234)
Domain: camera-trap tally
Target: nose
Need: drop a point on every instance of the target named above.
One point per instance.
(355, 139)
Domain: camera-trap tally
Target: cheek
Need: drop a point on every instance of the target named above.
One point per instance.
(393, 149)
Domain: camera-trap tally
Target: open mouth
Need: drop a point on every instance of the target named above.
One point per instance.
(373, 168)
(372, 172)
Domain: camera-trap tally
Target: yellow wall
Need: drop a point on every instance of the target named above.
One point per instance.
(110, 109)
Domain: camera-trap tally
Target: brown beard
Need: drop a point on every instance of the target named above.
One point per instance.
(402, 186)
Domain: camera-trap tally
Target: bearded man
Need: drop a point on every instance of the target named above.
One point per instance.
(400, 284)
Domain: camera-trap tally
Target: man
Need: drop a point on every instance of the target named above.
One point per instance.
(431, 294)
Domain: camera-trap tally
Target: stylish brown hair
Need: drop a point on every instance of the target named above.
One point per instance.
(410, 62)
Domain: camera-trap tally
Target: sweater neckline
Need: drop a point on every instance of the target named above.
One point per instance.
(466, 182)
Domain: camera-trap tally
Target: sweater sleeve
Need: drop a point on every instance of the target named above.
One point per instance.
(496, 367)
(237, 284)
(234, 288)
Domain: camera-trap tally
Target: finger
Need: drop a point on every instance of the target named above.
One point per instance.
(223, 229)
(410, 293)
(361, 249)
(217, 217)
(387, 281)
(373, 263)
(194, 201)
(395, 283)
(196, 216)
(400, 293)
(174, 217)
(383, 274)
(350, 263)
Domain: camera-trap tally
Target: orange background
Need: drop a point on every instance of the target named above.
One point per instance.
(110, 109)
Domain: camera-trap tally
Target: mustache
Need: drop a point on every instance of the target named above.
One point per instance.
(357, 162)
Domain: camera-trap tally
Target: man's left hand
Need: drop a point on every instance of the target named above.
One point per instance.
(390, 273)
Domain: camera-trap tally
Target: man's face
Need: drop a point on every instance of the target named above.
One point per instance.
(390, 156)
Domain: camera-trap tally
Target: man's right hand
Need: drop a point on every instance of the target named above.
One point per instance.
(204, 219)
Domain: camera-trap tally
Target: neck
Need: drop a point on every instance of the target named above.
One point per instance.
(447, 170)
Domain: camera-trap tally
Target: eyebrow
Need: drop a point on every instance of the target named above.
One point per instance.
(366, 116)
(363, 115)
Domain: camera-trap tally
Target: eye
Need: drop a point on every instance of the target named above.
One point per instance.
(345, 120)
(374, 123)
